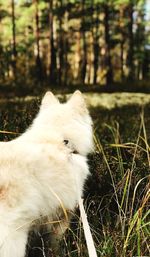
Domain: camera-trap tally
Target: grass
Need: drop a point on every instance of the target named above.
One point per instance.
(117, 195)
(127, 164)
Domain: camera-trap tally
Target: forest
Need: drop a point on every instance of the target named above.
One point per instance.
(73, 43)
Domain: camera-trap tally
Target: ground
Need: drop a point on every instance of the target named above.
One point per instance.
(117, 192)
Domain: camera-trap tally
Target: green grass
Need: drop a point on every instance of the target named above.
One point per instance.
(117, 195)
(122, 144)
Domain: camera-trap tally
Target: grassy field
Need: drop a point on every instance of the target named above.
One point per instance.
(117, 194)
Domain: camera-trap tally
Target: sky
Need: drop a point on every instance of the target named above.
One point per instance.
(148, 9)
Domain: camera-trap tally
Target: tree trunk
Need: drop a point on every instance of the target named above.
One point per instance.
(122, 59)
(84, 60)
(53, 67)
(2, 66)
(14, 51)
(37, 36)
(145, 65)
(96, 48)
(61, 49)
(130, 55)
(122, 41)
(108, 62)
(96, 58)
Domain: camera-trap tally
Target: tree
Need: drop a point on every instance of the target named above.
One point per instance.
(37, 39)
(130, 54)
(53, 67)
(95, 34)
(14, 50)
(83, 33)
(108, 62)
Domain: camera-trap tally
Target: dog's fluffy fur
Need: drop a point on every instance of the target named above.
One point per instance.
(43, 167)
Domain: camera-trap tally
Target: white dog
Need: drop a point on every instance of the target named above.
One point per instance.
(43, 169)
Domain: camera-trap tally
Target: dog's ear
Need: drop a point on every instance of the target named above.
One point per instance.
(48, 100)
(77, 101)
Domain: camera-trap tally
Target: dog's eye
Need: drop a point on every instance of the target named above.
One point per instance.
(66, 142)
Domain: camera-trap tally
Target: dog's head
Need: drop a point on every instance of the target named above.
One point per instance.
(69, 121)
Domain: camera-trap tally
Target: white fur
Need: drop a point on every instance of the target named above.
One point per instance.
(37, 166)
